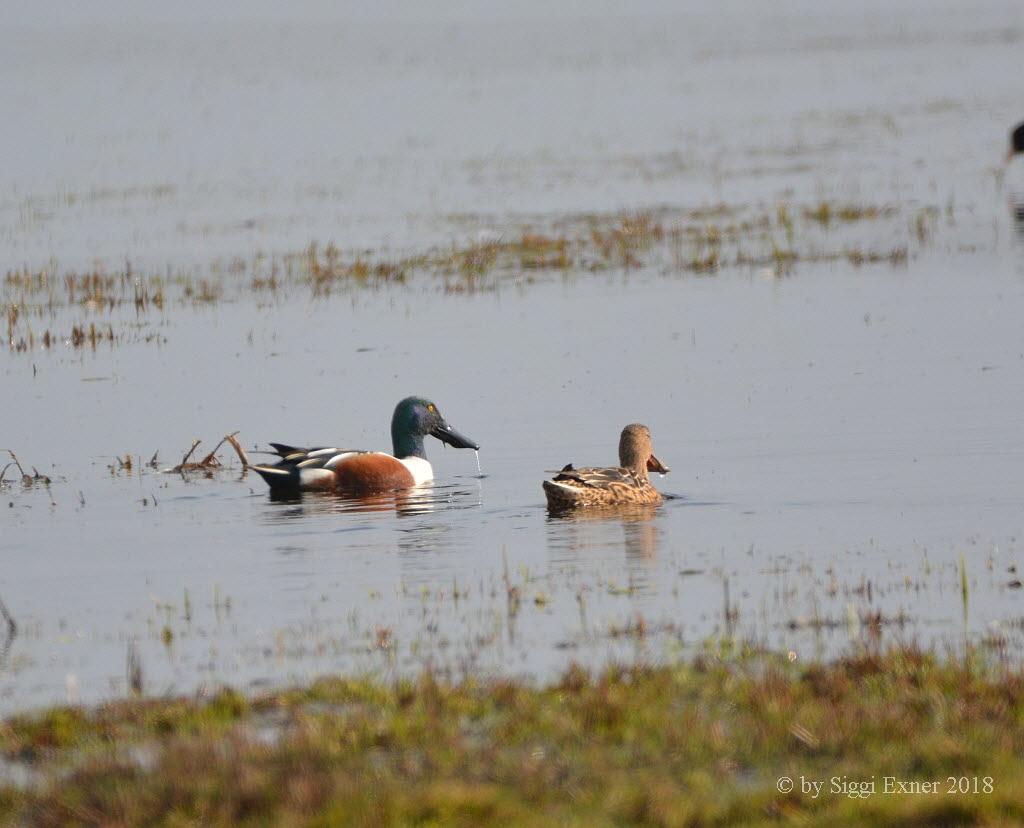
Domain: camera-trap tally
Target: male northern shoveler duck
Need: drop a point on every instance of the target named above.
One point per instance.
(612, 486)
(351, 470)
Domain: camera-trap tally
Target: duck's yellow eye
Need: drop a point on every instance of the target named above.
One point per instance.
(430, 408)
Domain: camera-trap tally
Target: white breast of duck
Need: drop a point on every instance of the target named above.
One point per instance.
(422, 472)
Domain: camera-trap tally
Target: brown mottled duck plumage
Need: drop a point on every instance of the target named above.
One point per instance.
(613, 485)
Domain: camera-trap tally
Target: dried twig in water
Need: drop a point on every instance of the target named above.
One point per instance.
(133, 669)
(210, 461)
(185, 465)
(238, 448)
(12, 627)
(26, 478)
(184, 460)
(14, 458)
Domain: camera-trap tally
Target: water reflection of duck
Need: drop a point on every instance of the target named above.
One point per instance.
(1016, 189)
(622, 484)
(1017, 209)
(577, 533)
(1016, 142)
(352, 470)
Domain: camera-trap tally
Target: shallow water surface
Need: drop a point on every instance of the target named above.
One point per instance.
(834, 453)
(844, 434)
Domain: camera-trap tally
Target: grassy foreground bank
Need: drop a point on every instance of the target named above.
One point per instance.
(903, 736)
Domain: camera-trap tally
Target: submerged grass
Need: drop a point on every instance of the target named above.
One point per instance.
(118, 308)
(894, 737)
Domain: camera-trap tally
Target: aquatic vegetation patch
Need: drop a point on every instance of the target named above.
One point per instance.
(331, 268)
(873, 738)
(47, 310)
(825, 213)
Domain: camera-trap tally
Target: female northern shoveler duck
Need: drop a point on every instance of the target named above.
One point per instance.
(351, 470)
(626, 483)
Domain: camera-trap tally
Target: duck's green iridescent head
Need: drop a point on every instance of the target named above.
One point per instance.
(414, 418)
